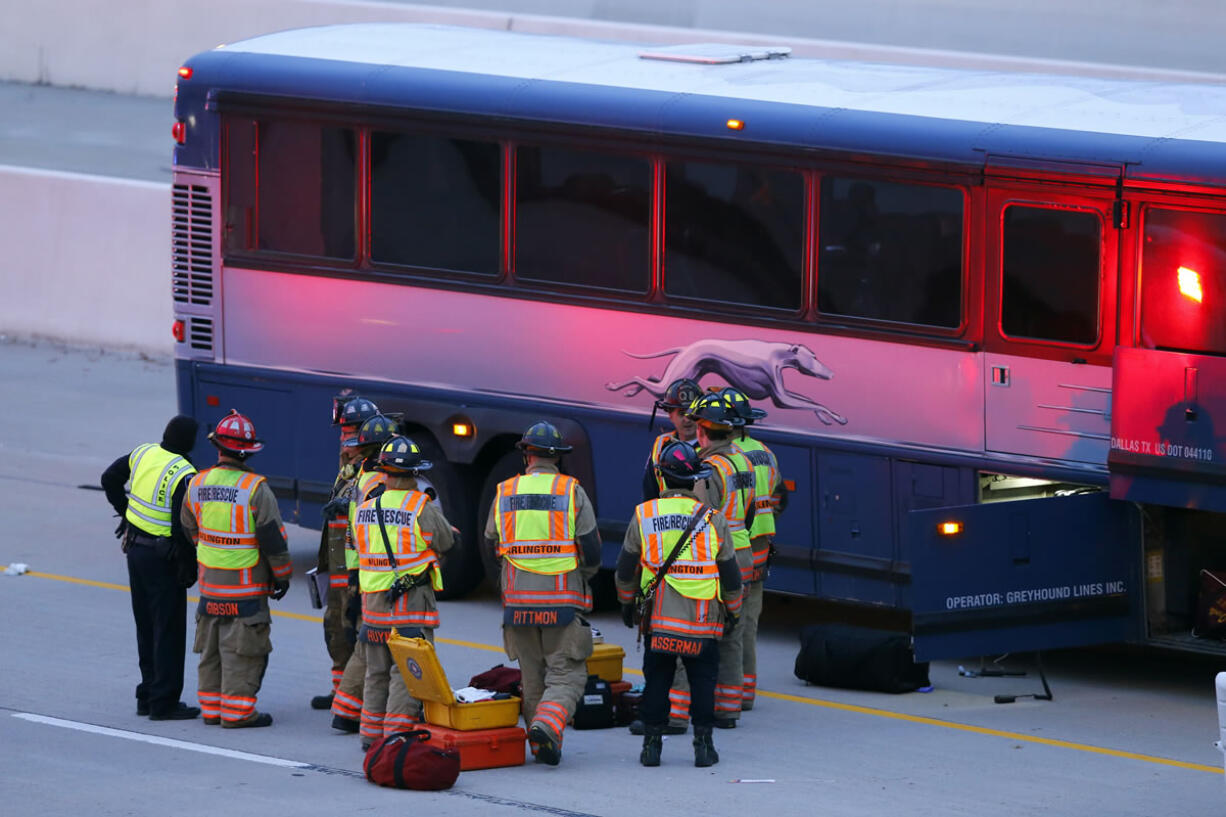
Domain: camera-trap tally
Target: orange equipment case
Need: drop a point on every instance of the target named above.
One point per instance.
(483, 748)
(426, 681)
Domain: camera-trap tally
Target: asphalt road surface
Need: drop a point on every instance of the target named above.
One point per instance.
(1127, 733)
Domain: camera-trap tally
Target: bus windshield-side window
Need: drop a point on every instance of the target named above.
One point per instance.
(734, 233)
(305, 189)
(890, 252)
(582, 218)
(1183, 281)
(434, 202)
(1051, 271)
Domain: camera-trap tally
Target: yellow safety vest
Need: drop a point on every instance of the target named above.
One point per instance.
(536, 523)
(155, 476)
(409, 543)
(694, 574)
(367, 480)
(738, 481)
(221, 501)
(765, 476)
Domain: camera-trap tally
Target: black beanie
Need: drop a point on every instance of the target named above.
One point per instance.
(180, 434)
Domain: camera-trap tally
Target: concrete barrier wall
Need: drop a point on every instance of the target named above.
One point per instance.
(137, 45)
(86, 259)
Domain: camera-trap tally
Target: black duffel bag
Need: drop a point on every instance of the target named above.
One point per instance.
(595, 709)
(839, 655)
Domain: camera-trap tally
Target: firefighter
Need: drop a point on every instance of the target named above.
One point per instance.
(730, 488)
(364, 447)
(161, 562)
(331, 560)
(542, 530)
(232, 516)
(767, 485)
(676, 400)
(690, 607)
(400, 534)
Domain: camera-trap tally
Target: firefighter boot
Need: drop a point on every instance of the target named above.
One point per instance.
(653, 745)
(704, 747)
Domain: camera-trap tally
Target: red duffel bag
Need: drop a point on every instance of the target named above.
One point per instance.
(404, 761)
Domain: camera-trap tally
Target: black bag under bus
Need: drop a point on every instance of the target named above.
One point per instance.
(839, 655)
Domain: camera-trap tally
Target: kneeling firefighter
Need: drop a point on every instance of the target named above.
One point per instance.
(677, 573)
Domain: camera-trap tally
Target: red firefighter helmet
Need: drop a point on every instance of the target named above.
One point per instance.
(235, 434)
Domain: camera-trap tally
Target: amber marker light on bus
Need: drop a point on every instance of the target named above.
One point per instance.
(185, 72)
(949, 528)
(735, 124)
(1189, 284)
(178, 330)
(462, 427)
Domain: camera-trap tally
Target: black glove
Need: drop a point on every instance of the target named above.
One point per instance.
(279, 588)
(730, 622)
(628, 615)
(121, 528)
(353, 613)
(335, 508)
(354, 585)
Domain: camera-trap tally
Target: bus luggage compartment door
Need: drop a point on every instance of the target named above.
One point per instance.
(1167, 442)
(1025, 575)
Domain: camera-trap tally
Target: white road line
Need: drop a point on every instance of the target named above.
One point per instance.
(157, 741)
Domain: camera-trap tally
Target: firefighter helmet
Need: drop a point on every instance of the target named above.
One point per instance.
(401, 456)
(235, 435)
(713, 411)
(680, 394)
(741, 403)
(356, 411)
(679, 461)
(543, 438)
(377, 430)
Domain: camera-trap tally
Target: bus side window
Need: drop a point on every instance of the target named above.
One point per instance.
(1051, 274)
(734, 233)
(305, 194)
(1183, 281)
(582, 218)
(890, 252)
(238, 172)
(435, 202)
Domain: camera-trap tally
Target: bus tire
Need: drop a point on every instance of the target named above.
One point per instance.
(462, 564)
(508, 465)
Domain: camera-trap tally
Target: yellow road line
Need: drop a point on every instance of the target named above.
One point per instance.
(779, 696)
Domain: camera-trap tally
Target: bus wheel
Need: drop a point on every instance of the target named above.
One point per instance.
(461, 564)
(508, 465)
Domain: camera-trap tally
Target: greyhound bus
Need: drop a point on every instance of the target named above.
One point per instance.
(983, 310)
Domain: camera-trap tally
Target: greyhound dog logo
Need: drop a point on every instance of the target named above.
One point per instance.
(753, 366)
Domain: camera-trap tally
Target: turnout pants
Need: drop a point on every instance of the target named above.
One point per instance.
(751, 613)
(658, 672)
(728, 685)
(159, 605)
(233, 656)
(347, 701)
(387, 707)
(336, 635)
(553, 662)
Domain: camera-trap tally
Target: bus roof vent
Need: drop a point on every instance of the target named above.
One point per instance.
(715, 53)
(192, 244)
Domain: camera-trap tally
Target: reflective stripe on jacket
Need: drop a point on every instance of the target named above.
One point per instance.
(536, 515)
(694, 574)
(765, 479)
(155, 475)
(367, 481)
(736, 476)
(408, 542)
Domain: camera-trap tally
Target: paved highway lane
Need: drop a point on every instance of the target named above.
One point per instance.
(1126, 735)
